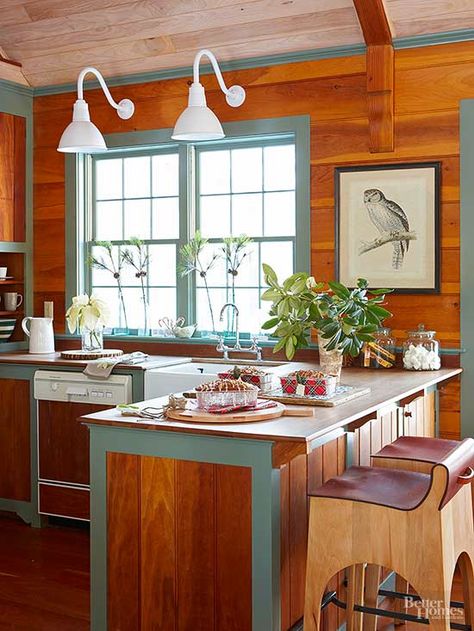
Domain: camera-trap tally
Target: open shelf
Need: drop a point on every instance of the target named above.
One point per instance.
(11, 314)
(13, 281)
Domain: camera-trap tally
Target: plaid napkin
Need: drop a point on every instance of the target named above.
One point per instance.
(261, 405)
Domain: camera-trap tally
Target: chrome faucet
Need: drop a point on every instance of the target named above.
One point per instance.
(237, 348)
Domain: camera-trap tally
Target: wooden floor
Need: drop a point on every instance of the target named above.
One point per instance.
(44, 579)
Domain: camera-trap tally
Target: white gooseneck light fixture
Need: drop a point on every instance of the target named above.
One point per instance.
(198, 122)
(82, 136)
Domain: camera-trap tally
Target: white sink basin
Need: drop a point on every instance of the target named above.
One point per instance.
(197, 368)
(182, 377)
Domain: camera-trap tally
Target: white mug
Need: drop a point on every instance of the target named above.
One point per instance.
(12, 300)
(3, 273)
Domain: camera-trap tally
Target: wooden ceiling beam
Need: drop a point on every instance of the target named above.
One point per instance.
(377, 33)
(373, 22)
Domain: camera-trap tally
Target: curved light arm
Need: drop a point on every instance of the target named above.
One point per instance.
(125, 107)
(235, 95)
(215, 66)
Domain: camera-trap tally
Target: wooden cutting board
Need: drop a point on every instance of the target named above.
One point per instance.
(87, 356)
(193, 415)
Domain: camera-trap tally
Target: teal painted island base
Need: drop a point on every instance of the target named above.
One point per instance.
(204, 526)
(263, 583)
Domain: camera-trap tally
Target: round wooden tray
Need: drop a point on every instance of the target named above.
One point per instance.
(85, 355)
(193, 415)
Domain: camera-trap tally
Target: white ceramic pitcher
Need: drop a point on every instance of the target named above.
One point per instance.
(41, 334)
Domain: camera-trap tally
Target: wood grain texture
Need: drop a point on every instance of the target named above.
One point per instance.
(157, 517)
(374, 22)
(64, 501)
(15, 461)
(380, 97)
(123, 542)
(428, 85)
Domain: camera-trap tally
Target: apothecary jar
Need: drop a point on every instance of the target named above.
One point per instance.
(421, 350)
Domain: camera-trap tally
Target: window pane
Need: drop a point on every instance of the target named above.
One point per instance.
(162, 264)
(217, 273)
(247, 215)
(279, 214)
(165, 218)
(165, 171)
(137, 176)
(218, 299)
(215, 216)
(108, 221)
(248, 272)
(105, 276)
(111, 297)
(108, 179)
(246, 170)
(137, 218)
(278, 255)
(162, 305)
(214, 172)
(134, 306)
(247, 301)
(279, 167)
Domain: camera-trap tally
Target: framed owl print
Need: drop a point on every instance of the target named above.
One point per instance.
(387, 226)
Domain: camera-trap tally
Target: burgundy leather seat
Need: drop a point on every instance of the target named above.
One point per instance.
(432, 450)
(402, 490)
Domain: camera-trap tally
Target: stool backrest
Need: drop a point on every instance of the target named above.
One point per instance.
(457, 468)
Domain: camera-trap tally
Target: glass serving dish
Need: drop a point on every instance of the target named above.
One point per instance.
(214, 400)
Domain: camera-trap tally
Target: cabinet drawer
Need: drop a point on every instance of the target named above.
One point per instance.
(63, 501)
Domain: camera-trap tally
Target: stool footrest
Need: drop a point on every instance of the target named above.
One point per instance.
(404, 596)
(331, 597)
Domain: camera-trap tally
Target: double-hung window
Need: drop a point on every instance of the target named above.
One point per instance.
(254, 182)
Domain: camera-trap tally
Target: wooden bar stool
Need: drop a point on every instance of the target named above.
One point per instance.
(418, 525)
(410, 453)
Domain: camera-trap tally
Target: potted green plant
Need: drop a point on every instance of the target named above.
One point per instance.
(344, 318)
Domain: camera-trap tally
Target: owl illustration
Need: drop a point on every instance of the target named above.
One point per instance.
(387, 217)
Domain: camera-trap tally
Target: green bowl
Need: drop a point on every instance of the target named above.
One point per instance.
(7, 326)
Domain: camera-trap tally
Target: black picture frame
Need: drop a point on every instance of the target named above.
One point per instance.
(436, 166)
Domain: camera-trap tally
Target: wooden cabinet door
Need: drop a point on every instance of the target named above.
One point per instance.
(414, 417)
(64, 441)
(15, 458)
(374, 434)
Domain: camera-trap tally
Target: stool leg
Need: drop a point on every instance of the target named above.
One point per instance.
(466, 568)
(437, 596)
(355, 595)
(401, 585)
(372, 585)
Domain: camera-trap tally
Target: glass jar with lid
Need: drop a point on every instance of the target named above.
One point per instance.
(380, 353)
(421, 350)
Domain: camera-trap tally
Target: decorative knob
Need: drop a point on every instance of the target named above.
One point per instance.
(408, 414)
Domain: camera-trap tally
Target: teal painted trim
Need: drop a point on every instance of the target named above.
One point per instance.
(467, 266)
(226, 66)
(16, 88)
(433, 39)
(209, 449)
(18, 100)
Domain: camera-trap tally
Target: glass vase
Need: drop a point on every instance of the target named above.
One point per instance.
(329, 361)
(92, 340)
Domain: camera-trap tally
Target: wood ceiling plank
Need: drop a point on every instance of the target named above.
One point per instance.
(119, 67)
(164, 40)
(409, 10)
(435, 24)
(150, 15)
(13, 15)
(317, 21)
(374, 22)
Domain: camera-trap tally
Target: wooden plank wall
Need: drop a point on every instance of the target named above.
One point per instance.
(429, 83)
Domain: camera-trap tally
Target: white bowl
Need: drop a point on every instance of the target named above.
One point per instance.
(184, 331)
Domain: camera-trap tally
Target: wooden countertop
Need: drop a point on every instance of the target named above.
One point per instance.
(386, 387)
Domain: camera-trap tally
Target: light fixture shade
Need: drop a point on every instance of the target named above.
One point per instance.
(198, 122)
(81, 137)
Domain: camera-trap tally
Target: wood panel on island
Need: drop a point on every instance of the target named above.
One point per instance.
(202, 564)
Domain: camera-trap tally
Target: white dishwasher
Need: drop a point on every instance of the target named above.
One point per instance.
(63, 442)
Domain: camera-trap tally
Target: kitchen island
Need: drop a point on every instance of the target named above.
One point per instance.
(203, 526)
